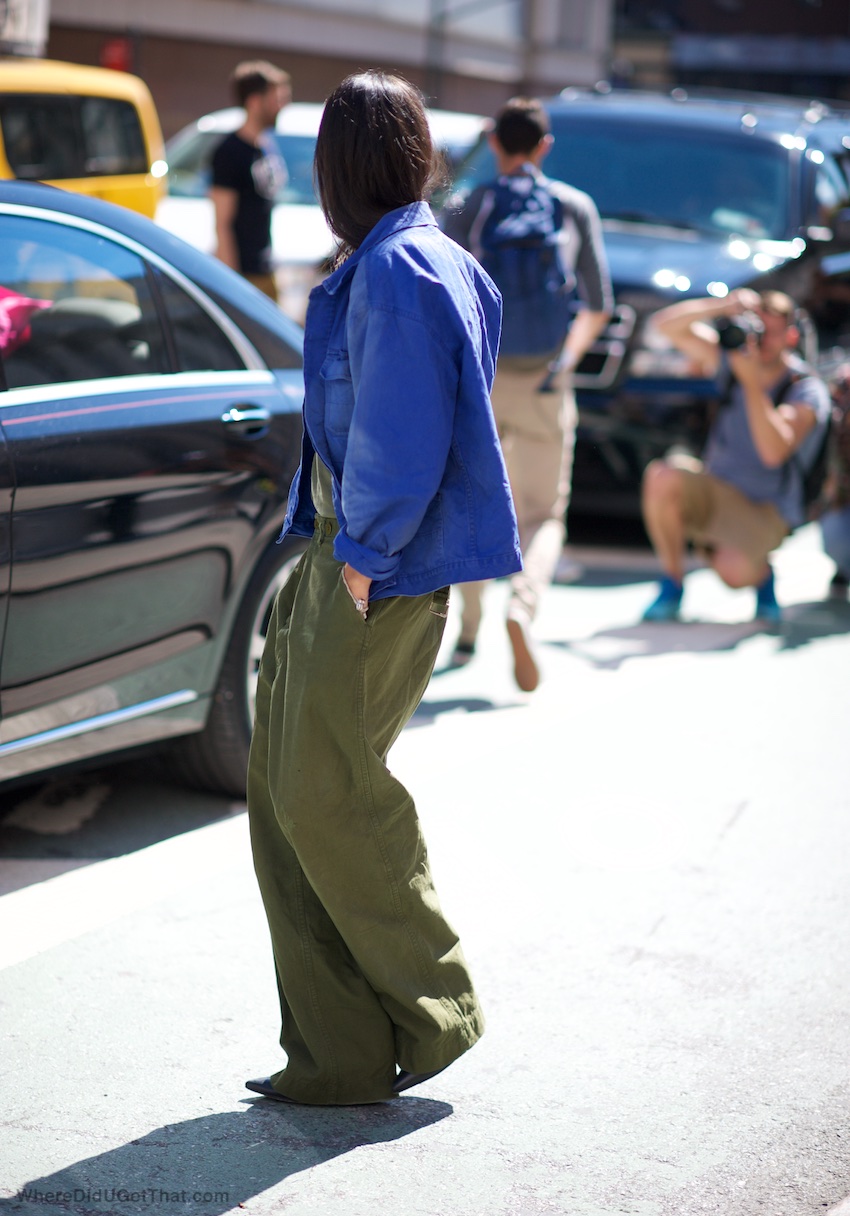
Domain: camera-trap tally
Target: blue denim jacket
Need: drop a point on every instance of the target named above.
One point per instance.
(399, 355)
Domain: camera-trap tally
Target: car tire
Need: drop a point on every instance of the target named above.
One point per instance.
(217, 758)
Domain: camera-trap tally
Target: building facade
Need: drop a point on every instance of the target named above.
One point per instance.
(800, 47)
(465, 54)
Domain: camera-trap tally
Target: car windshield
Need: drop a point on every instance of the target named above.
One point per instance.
(189, 166)
(657, 175)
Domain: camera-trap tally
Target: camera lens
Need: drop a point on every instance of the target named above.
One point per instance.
(733, 332)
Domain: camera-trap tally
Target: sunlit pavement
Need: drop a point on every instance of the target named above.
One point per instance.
(647, 860)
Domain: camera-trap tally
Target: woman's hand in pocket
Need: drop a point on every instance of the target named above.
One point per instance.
(357, 586)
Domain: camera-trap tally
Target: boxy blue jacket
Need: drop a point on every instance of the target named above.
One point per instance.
(399, 356)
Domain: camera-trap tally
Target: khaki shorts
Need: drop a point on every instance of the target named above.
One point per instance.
(717, 516)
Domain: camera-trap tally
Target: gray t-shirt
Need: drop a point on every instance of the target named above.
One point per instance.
(731, 455)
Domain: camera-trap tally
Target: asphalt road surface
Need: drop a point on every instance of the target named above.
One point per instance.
(647, 861)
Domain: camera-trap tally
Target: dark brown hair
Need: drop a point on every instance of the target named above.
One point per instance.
(255, 76)
(373, 154)
(521, 124)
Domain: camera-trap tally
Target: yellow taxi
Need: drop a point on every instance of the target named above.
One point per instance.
(87, 129)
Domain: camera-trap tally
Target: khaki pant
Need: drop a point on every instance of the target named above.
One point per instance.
(266, 283)
(537, 433)
(370, 974)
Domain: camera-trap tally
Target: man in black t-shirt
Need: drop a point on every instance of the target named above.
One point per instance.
(247, 173)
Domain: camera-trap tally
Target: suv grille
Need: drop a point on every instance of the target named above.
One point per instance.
(601, 365)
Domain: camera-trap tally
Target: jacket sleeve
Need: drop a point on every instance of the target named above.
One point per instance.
(405, 385)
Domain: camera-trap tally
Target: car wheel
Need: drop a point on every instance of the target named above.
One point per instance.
(217, 758)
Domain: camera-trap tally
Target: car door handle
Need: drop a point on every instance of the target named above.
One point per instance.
(252, 421)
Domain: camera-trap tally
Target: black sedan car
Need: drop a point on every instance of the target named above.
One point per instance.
(149, 427)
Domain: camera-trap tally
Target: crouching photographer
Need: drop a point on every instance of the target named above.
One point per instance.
(742, 499)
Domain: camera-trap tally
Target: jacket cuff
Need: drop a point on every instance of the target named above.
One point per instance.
(365, 561)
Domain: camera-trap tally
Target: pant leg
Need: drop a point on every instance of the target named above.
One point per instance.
(538, 440)
(835, 529)
(471, 601)
(369, 971)
(537, 432)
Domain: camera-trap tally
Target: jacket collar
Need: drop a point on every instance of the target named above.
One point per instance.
(414, 215)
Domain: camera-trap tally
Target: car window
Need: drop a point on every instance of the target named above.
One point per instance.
(73, 306)
(661, 174)
(199, 344)
(278, 340)
(189, 158)
(56, 138)
(189, 166)
(112, 137)
(297, 152)
(42, 137)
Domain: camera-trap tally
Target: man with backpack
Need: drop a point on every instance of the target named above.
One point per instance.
(765, 443)
(541, 243)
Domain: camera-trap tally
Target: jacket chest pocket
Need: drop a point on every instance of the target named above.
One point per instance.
(339, 393)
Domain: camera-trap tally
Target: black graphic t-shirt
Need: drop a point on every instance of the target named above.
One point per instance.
(257, 174)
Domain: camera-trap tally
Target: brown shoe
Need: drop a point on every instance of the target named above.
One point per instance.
(526, 672)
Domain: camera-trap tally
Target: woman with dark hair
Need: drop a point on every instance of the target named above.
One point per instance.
(403, 490)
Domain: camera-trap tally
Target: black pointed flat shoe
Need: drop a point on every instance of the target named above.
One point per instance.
(405, 1080)
(263, 1085)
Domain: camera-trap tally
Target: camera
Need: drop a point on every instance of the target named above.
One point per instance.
(734, 331)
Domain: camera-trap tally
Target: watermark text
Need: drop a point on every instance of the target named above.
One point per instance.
(149, 1196)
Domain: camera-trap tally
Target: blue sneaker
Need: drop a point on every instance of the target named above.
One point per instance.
(767, 608)
(665, 606)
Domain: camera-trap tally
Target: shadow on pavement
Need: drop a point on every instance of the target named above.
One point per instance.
(212, 1164)
(104, 812)
(613, 576)
(806, 623)
(428, 711)
(802, 624)
(609, 649)
(73, 819)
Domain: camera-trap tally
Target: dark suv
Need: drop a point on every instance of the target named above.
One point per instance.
(698, 195)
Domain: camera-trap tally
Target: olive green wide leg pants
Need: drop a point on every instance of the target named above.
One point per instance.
(370, 974)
